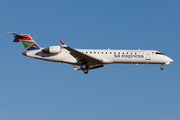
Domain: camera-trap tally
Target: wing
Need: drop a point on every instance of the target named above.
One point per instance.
(81, 57)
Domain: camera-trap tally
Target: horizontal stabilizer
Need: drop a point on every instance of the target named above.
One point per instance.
(17, 36)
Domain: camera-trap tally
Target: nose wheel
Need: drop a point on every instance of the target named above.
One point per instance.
(162, 66)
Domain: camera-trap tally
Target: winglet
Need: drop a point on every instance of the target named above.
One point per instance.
(62, 43)
(75, 68)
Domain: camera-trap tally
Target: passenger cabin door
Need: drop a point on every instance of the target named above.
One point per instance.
(148, 56)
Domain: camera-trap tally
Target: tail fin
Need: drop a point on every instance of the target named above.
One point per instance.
(26, 40)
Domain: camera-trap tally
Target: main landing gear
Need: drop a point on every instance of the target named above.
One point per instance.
(84, 67)
(162, 66)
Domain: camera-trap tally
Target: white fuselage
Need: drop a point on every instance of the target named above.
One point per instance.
(107, 56)
(89, 58)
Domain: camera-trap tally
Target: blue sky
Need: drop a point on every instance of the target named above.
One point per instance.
(35, 89)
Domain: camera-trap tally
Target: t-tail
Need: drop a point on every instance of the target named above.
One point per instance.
(27, 42)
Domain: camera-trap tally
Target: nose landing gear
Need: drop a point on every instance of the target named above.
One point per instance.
(162, 66)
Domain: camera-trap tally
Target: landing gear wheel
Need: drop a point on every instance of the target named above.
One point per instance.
(85, 71)
(84, 66)
(162, 68)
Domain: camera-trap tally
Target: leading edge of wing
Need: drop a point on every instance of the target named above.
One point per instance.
(17, 34)
(77, 54)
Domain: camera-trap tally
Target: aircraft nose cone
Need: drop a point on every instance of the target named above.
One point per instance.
(168, 60)
(171, 60)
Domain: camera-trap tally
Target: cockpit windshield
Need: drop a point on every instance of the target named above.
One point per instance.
(158, 53)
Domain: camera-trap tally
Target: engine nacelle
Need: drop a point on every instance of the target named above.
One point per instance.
(53, 49)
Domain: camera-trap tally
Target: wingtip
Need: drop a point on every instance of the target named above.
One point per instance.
(10, 32)
(61, 42)
(75, 68)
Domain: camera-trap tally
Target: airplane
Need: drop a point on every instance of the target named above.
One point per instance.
(89, 59)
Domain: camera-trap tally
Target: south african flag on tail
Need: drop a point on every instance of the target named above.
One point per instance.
(26, 40)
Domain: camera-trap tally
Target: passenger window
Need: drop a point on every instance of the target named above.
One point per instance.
(114, 52)
(118, 52)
